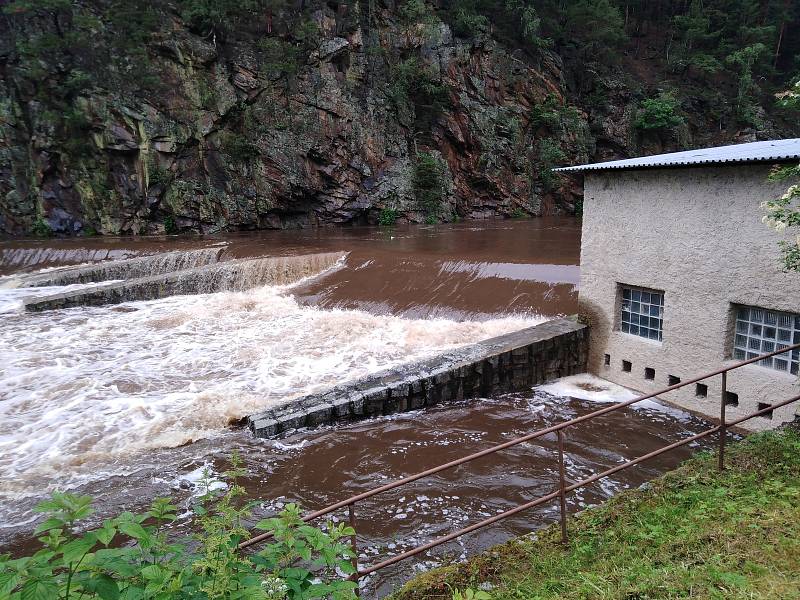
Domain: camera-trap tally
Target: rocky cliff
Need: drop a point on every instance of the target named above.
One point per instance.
(325, 113)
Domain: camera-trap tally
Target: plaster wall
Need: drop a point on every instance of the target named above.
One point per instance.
(696, 234)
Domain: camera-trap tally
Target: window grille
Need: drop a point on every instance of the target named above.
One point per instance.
(642, 313)
(759, 331)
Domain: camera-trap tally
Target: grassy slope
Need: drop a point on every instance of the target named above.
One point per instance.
(695, 533)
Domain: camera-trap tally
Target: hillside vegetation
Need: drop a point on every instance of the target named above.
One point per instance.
(213, 115)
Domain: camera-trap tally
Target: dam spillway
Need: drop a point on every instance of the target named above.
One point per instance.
(227, 276)
(131, 268)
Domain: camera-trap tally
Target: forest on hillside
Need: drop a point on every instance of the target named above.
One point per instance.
(212, 115)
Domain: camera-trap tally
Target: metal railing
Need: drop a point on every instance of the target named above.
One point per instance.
(563, 487)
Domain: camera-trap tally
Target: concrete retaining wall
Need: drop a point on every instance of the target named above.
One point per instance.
(130, 268)
(234, 275)
(512, 362)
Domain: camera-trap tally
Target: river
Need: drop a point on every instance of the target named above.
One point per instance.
(134, 401)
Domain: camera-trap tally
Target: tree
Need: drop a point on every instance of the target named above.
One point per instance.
(784, 213)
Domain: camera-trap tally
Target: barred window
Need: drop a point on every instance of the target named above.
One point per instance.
(642, 312)
(760, 331)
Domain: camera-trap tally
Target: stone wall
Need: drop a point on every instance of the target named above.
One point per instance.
(512, 362)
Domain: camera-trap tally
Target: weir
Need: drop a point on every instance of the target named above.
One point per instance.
(131, 268)
(228, 276)
(507, 363)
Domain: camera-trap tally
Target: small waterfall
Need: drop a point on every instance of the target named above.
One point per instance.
(229, 276)
(241, 275)
(132, 268)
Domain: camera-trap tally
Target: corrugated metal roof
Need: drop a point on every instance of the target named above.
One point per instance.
(771, 151)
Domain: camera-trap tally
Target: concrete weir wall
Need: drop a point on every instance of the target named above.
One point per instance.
(233, 275)
(130, 268)
(512, 362)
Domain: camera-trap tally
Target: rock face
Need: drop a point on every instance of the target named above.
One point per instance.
(230, 140)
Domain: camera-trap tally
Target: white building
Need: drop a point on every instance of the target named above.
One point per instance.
(679, 277)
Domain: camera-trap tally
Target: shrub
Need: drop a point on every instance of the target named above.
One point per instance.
(170, 227)
(238, 148)
(41, 228)
(550, 154)
(387, 217)
(428, 185)
(301, 561)
(660, 112)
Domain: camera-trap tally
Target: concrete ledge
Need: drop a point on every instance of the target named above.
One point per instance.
(512, 362)
(131, 268)
(234, 275)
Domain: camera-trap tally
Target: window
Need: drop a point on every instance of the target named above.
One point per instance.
(649, 373)
(642, 313)
(760, 331)
(701, 390)
(626, 366)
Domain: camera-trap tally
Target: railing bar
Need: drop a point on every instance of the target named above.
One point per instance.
(459, 533)
(758, 413)
(642, 458)
(522, 507)
(536, 434)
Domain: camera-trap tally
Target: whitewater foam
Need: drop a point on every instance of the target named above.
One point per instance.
(82, 390)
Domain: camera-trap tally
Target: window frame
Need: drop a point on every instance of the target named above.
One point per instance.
(763, 326)
(627, 293)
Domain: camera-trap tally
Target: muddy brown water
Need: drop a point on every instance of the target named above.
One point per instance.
(432, 286)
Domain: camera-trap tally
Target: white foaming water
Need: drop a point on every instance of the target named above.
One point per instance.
(594, 389)
(13, 299)
(82, 391)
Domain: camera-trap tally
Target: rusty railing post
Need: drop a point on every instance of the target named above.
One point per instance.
(722, 432)
(562, 486)
(352, 519)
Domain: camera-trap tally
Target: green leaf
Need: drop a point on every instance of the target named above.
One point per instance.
(133, 530)
(76, 549)
(8, 581)
(153, 573)
(104, 586)
(47, 525)
(39, 589)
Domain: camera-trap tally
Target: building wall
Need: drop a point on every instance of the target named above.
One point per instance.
(696, 234)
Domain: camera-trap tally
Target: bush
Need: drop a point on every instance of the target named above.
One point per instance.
(387, 217)
(130, 557)
(41, 228)
(550, 154)
(428, 185)
(659, 113)
(170, 226)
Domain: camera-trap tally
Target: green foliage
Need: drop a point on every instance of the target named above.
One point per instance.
(130, 557)
(428, 185)
(550, 155)
(784, 213)
(387, 217)
(415, 93)
(218, 17)
(170, 226)
(594, 27)
(745, 59)
(468, 23)
(696, 532)
(41, 228)
(471, 594)
(238, 148)
(661, 112)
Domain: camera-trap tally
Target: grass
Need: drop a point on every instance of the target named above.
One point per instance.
(694, 533)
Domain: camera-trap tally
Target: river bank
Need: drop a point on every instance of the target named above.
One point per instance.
(695, 532)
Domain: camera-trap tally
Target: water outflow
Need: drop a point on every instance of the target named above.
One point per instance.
(234, 275)
(87, 393)
(143, 266)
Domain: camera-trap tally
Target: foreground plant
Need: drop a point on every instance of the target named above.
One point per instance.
(130, 557)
